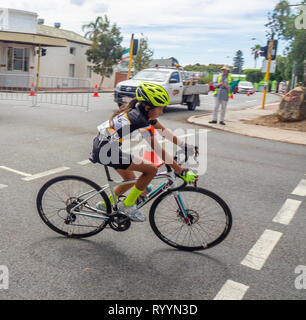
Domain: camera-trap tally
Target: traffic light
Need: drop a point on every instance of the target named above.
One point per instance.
(274, 50)
(135, 47)
(43, 51)
(264, 51)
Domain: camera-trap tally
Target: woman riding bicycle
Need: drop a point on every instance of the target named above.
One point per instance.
(139, 114)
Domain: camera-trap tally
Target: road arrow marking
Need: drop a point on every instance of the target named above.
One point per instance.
(44, 174)
(15, 171)
(84, 162)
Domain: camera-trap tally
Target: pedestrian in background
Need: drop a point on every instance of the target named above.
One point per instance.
(222, 94)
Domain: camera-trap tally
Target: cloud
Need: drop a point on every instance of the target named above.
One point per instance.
(186, 29)
(100, 8)
(78, 2)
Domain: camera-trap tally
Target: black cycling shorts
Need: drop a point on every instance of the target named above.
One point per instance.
(110, 154)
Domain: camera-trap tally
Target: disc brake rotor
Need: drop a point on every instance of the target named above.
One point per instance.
(192, 215)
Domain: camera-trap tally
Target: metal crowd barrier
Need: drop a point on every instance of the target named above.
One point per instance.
(49, 90)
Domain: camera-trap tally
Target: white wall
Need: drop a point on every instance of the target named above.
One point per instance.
(57, 60)
(18, 20)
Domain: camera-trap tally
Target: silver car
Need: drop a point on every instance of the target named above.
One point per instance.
(245, 87)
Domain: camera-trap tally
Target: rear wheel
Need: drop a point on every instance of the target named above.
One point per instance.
(60, 195)
(209, 219)
(191, 105)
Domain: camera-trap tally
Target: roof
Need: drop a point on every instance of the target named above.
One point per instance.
(33, 39)
(61, 33)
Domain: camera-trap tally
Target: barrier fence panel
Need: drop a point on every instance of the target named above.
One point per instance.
(63, 91)
(16, 87)
(52, 90)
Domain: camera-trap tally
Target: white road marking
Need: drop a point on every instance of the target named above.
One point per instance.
(84, 162)
(2, 186)
(260, 252)
(15, 171)
(300, 190)
(287, 211)
(251, 100)
(232, 290)
(46, 173)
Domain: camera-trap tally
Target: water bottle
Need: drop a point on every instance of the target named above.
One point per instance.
(149, 188)
(145, 193)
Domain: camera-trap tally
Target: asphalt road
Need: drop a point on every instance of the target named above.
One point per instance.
(255, 177)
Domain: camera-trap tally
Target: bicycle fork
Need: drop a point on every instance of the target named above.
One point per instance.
(181, 206)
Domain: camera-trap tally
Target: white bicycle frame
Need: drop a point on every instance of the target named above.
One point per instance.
(112, 184)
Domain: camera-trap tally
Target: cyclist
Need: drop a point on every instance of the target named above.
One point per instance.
(139, 114)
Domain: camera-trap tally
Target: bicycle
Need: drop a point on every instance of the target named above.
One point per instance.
(184, 217)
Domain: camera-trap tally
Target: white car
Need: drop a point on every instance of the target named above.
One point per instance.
(245, 87)
(172, 79)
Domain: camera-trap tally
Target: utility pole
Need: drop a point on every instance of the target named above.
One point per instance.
(38, 69)
(293, 77)
(304, 78)
(131, 55)
(267, 72)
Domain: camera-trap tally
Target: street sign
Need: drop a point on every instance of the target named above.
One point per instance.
(265, 65)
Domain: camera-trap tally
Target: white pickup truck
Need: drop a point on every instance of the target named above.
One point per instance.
(181, 91)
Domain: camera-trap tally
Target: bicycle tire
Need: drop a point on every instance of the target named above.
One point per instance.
(213, 199)
(42, 210)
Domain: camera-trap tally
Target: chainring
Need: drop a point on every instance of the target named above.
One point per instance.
(119, 222)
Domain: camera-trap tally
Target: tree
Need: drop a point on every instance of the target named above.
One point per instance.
(253, 75)
(202, 67)
(238, 62)
(92, 29)
(105, 50)
(144, 54)
(280, 73)
(282, 25)
(255, 52)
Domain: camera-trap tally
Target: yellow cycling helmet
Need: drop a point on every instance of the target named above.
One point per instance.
(152, 93)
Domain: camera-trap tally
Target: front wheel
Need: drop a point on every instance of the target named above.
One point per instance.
(57, 198)
(209, 219)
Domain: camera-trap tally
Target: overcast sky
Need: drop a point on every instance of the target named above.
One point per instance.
(192, 31)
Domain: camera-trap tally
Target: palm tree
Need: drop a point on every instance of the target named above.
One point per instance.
(93, 29)
(255, 52)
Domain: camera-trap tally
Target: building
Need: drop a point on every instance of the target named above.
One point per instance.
(64, 55)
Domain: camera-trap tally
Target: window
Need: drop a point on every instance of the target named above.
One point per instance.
(88, 72)
(175, 76)
(72, 51)
(18, 59)
(154, 75)
(71, 70)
